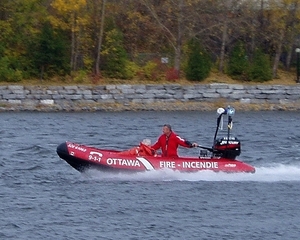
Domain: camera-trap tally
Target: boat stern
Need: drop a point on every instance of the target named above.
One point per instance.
(237, 166)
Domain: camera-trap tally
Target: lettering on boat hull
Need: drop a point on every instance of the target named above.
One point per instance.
(123, 162)
(200, 165)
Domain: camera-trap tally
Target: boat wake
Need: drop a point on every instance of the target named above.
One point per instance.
(275, 173)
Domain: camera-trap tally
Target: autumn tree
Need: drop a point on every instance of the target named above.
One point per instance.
(114, 55)
(93, 34)
(20, 22)
(141, 34)
(71, 16)
(283, 20)
(221, 24)
(174, 18)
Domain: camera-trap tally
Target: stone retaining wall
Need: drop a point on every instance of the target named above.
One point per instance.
(148, 97)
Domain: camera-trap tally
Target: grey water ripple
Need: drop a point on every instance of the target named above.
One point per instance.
(42, 197)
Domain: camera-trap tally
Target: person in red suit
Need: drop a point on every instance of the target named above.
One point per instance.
(169, 142)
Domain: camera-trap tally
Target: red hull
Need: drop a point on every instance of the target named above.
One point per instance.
(81, 157)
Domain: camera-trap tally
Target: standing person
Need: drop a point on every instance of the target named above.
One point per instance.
(169, 142)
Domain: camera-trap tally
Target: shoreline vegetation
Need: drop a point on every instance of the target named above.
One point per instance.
(283, 78)
(140, 41)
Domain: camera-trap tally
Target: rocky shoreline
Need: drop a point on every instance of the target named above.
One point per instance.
(169, 97)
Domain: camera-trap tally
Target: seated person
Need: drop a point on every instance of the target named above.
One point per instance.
(144, 149)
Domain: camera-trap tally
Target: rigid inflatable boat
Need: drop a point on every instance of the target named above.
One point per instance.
(220, 157)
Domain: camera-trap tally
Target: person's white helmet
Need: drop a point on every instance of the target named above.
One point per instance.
(147, 142)
(220, 111)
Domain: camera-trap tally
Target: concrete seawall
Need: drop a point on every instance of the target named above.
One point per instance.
(149, 97)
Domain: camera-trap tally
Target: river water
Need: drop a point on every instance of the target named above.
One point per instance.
(42, 197)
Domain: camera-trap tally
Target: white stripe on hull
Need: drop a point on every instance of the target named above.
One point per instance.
(146, 163)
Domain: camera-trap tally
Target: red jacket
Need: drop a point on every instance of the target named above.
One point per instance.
(170, 144)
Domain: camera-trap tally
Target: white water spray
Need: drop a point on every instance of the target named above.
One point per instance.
(276, 173)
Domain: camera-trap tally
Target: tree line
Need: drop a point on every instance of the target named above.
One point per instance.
(248, 40)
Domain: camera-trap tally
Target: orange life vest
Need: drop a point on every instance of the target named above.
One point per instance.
(141, 150)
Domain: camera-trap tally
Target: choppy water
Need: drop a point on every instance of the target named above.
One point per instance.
(42, 197)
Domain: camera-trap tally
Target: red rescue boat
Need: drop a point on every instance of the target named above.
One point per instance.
(220, 157)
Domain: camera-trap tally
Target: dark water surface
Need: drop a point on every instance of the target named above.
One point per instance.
(42, 197)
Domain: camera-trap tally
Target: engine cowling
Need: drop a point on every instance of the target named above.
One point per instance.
(227, 148)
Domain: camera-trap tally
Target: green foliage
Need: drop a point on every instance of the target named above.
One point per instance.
(5, 36)
(199, 63)
(152, 70)
(239, 67)
(48, 53)
(260, 69)
(130, 70)
(114, 55)
(8, 72)
(238, 63)
(80, 76)
(149, 70)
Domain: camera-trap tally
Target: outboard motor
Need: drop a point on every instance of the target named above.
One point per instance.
(227, 148)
